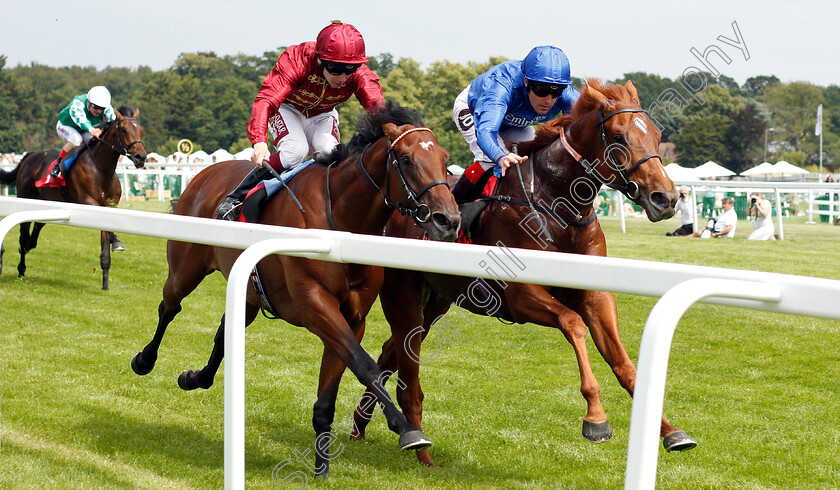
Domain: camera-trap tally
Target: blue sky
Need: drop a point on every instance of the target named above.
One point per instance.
(792, 40)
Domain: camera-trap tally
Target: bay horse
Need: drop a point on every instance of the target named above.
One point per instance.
(92, 180)
(544, 204)
(394, 156)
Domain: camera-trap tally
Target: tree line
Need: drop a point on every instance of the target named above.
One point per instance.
(207, 98)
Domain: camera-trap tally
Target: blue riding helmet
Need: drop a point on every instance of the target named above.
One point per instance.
(547, 64)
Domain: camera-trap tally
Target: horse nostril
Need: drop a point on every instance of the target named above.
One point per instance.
(442, 222)
(660, 199)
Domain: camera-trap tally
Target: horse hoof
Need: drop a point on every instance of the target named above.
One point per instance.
(117, 247)
(184, 381)
(678, 441)
(139, 366)
(597, 431)
(188, 380)
(414, 439)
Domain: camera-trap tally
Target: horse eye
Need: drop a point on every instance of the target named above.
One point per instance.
(405, 160)
(618, 138)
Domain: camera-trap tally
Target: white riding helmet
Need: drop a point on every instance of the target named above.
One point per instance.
(100, 96)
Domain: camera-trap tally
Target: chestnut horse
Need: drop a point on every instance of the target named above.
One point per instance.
(394, 156)
(92, 179)
(544, 204)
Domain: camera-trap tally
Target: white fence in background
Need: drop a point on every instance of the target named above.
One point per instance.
(678, 286)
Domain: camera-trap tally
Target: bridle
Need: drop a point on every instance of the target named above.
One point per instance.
(419, 211)
(123, 150)
(629, 188)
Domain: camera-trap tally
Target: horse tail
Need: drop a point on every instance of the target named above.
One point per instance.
(9, 177)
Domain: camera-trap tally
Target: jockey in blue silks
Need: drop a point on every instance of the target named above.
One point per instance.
(503, 103)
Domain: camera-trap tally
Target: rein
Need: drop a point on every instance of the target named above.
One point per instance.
(630, 188)
(528, 202)
(543, 209)
(419, 211)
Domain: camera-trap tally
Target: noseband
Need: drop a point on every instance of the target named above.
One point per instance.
(629, 188)
(419, 211)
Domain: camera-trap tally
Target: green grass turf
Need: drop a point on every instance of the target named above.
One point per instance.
(759, 391)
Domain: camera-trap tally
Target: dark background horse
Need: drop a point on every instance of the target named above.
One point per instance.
(551, 209)
(393, 155)
(92, 179)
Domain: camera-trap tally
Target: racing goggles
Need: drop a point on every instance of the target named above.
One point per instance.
(542, 89)
(336, 69)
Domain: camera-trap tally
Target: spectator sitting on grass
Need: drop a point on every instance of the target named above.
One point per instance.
(724, 225)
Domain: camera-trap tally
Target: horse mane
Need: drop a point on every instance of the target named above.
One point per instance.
(550, 131)
(370, 128)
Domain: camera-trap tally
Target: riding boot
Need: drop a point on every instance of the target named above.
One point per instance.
(462, 190)
(229, 209)
(56, 170)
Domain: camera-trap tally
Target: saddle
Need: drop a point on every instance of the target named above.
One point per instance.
(265, 190)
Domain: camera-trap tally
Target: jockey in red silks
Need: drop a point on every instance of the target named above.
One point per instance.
(296, 104)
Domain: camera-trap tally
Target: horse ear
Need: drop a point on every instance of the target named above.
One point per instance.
(391, 131)
(631, 89)
(595, 95)
(137, 113)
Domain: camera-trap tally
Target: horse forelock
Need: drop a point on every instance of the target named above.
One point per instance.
(125, 111)
(588, 101)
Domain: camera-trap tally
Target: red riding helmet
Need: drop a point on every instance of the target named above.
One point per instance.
(341, 43)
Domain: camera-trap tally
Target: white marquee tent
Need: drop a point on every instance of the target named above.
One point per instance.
(711, 169)
(221, 155)
(676, 171)
(200, 156)
(784, 168)
(762, 168)
(244, 154)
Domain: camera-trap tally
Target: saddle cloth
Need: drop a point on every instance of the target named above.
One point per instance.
(68, 159)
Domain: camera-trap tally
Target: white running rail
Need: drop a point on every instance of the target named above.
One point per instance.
(678, 285)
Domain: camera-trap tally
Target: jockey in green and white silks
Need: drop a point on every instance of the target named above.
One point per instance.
(77, 124)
